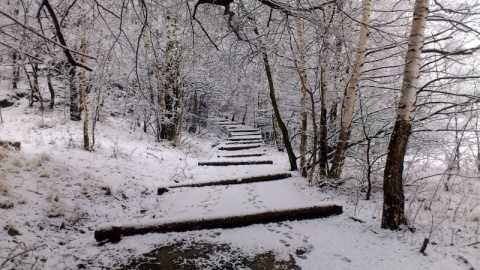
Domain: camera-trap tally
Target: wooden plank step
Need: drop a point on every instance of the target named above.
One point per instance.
(243, 130)
(236, 181)
(114, 233)
(245, 134)
(243, 142)
(234, 163)
(243, 155)
(227, 123)
(234, 139)
(238, 147)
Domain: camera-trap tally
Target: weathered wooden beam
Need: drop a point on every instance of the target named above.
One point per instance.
(244, 139)
(242, 155)
(115, 233)
(235, 181)
(228, 123)
(239, 147)
(234, 163)
(244, 142)
(243, 130)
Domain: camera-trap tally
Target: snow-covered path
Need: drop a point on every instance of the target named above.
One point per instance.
(337, 242)
(62, 193)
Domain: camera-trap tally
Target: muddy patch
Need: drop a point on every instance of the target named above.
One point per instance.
(193, 256)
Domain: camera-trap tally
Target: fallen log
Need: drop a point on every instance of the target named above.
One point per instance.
(243, 155)
(234, 163)
(114, 233)
(7, 144)
(240, 147)
(236, 181)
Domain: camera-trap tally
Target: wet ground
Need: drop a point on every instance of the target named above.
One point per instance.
(212, 256)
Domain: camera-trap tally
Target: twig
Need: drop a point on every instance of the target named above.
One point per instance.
(356, 219)
(42, 36)
(472, 244)
(11, 257)
(38, 193)
(151, 155)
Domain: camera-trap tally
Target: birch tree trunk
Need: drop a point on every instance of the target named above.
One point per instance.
(83, 77)
(350, 98)
(323, 157)
(75, 113)
(393, 198)
(303, 102)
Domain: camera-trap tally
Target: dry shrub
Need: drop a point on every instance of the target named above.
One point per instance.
(57, 209)
(45, 125)
(3, 154)
(42, 158)
(4, 189)
(17, 162)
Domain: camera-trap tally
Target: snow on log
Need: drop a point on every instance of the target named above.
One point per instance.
(243, 155)
(114, 233)
(250, 179)
(234, 163)
(239, 147)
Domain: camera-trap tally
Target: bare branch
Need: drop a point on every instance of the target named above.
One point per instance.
(65, 48)
(60, 37)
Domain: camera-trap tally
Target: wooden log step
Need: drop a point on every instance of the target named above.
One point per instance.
(227, 123)
(234, 163)
(115, 233)
(239, 147)
(245, 134)
(236, 181)
(217, 119)
(243, 130)
(243, 155)
(234, 139)
(243, 142)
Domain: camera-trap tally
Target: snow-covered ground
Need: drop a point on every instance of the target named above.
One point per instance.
(54, 195)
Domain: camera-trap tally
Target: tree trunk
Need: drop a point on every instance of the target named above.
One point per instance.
(36, 85)
(301, 68)
(51, 89)
(283, 128)
(75, 113)
(16, 70)
(393, 198)
(350, 98)
(83, 75)
(323, 156)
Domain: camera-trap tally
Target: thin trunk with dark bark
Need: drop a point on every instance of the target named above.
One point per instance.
(281, 124)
